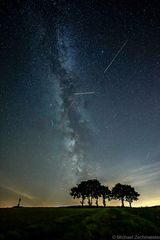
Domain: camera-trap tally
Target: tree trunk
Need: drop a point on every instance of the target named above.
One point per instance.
(89, 201)
(82, 202)
(97, 202)
(104, 202)
(122, 202)
(130, 204)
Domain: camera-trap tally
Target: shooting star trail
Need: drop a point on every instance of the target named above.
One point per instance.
(123, 45)
(84, 93)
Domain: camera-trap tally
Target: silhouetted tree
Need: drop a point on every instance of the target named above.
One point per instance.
(105, 193)
(124, 193)
(131, 195)
(92, 191)
(119, 192)
(75, 193)
(83, 192)
(87, 189)
(80, 191)
(96, 193)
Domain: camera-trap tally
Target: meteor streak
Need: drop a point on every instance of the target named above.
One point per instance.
(123, 45)
(84, 93)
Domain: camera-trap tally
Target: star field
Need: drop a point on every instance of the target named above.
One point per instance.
(50, 138)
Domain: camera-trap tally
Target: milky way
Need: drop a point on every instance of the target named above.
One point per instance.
(66, 110)
(71, 123)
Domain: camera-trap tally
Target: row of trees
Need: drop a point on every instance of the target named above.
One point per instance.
(93, 189)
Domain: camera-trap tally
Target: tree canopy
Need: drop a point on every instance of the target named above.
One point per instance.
(93, 190)
(124, 192)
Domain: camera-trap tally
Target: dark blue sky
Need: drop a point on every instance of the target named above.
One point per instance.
(50, 138)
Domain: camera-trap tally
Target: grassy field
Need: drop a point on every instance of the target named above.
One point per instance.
(78, 223)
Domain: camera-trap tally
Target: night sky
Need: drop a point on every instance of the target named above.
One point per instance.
(51, 137)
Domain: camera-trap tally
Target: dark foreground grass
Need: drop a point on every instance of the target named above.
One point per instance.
(79, 223)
